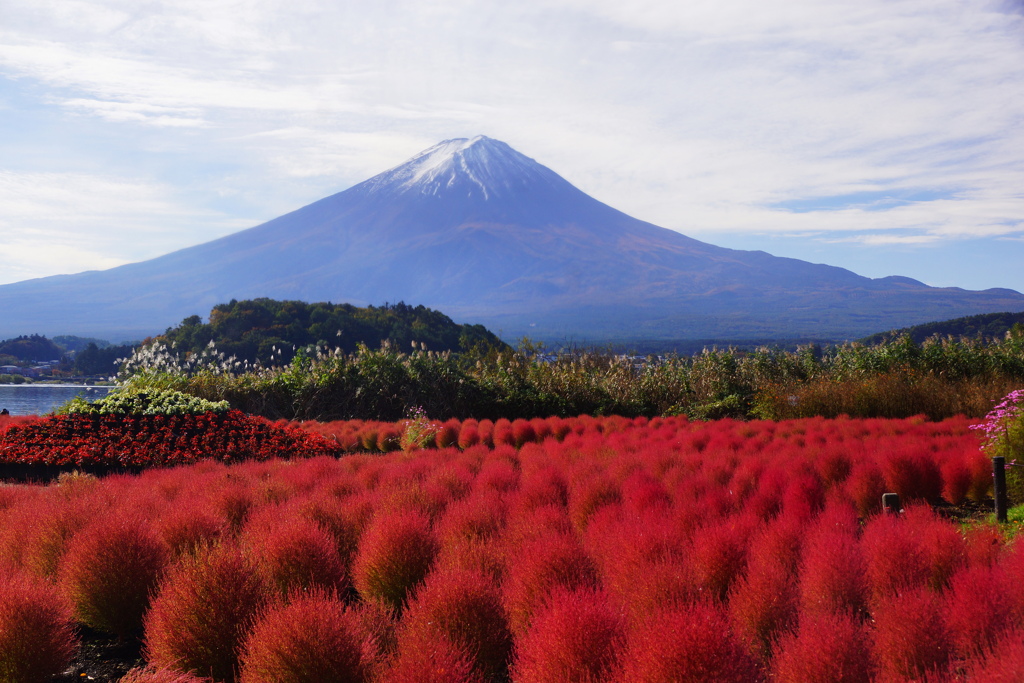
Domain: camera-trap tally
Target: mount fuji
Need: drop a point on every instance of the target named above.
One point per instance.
(487, 235)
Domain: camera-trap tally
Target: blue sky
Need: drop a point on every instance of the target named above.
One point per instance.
(885, 137)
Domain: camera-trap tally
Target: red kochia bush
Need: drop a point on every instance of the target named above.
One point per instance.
(718, 555)
(37, 635)
(832, 573)
(763, 605)
(394, 555)
(550, 560)
(188, 526)
(828, 648)
(911, 639)
(893, 556)
(523, 433)
(110, 570)
(468, 435)
(343, 519)
(161, 676)
(437, 660)
(865, 486)
(294, 554)
(913, 475)
(447, 435)
(313, 639)
(575, 638)
(1001, 664)
(200, 614)
(686, 643)
(977, 610)
(463, 607)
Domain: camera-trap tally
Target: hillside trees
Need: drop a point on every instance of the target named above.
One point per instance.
(271, 331)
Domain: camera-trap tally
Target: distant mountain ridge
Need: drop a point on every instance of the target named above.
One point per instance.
(474, 229)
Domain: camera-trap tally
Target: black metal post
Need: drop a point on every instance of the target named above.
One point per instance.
(891, 503)
(999, 486)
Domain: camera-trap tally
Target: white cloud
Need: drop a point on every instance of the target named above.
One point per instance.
(65, 222)
(702, 116)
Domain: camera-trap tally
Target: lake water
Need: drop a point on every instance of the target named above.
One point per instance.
(36, 399)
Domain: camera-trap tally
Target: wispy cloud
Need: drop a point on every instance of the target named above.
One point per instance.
(878, 122)
(64, 222)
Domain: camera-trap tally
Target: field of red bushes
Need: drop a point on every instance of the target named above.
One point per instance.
(547, 551)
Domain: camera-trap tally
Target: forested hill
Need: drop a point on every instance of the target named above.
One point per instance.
(270, 331)
(987, 326)
(30, 348)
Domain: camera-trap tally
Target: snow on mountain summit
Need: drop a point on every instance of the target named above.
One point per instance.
(478, 166)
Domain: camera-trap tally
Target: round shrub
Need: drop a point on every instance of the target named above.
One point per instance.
(188, 526)
(464, 607)
(394, 555)
(37, 635)
(200, 614)
(295, 554)
(109, 571)
(142, 675)
(690, 643)
(313, 639)
(911, 637)
(575, 638)
(448, 434)
(433, 660)
(1002, 663)
(549, 561)
(828, 648)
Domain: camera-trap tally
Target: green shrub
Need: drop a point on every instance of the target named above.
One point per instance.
(135, 401)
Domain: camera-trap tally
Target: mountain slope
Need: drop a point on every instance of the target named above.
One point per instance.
(484, 234)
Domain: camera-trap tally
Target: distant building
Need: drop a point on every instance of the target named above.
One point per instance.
(36, 371)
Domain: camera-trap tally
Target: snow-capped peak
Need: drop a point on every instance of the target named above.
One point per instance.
(478, 165)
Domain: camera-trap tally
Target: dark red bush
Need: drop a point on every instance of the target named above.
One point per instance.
(468, 435)
(37, 635)
(763, 606)
(434, 660)
(395, 554)
(832, 574)
(201, 612)
(718, 555)
(546, 562)
(575, 637)
(523, 433)
(447, 435)
(977, 609)
(686, 643)
(313, 639)
(109, 572)
(294, 554)
(828, 648)
(187, 526)
(462, 607)
(1001, 664)
(911, 638)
